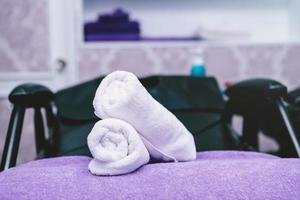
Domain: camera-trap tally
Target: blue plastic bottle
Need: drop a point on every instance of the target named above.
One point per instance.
(198, 68)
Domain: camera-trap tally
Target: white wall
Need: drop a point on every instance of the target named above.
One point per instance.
(294, 17)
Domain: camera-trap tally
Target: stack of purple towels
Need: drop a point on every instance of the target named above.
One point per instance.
(112, 27)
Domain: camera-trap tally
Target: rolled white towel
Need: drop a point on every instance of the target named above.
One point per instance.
(116, 147)
(121, 95)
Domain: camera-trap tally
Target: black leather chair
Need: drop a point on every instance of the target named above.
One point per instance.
(197, 102)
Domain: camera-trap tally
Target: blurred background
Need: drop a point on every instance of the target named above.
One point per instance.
(60, 43)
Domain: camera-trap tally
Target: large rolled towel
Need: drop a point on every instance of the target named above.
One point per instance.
(121, 95)
(116, 147)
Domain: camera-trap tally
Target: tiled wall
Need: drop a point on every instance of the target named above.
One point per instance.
(24, 38)
(231, 62)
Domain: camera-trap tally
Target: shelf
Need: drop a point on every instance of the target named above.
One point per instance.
(261, 21)
(140, 44)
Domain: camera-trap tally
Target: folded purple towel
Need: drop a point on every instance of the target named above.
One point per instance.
(214, 175)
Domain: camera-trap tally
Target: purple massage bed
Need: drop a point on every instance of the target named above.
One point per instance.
(214, 175)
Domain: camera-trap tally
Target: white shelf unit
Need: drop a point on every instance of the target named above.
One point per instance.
(256, 21)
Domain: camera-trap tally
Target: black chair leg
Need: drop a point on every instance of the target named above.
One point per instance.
(12, 141)
(289, 127)
(39, 130)
(250, 131)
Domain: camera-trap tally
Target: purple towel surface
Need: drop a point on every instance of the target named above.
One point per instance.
(214, 175)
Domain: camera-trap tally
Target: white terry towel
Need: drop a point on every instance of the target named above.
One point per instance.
(116, 147)
(121, 95)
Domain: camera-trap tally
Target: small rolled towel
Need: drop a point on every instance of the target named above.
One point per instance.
(116, 147)
(121, 95)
